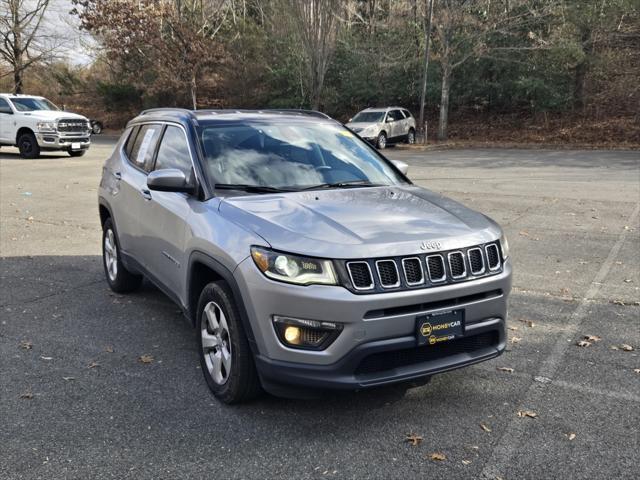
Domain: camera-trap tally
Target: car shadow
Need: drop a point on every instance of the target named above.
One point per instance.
(8, 155)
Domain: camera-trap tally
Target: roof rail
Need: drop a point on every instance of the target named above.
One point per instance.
(313, 113)
(167, 110)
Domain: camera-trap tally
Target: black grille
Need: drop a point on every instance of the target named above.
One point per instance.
(72, 125)
(388, 272)
(493, 258)
(379, 362)
(413, 271)
(456, 263)
(476, 261)
(436, 268)
(360, 275)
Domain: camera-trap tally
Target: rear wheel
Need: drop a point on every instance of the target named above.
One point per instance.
(96, 127)
(381, 142)
(28, 146)
(225, 356)
(120, 279)
(411, 136)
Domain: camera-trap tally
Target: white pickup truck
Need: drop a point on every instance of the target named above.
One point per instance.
(34, 124)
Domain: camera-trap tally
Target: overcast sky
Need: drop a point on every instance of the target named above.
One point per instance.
(58, 19)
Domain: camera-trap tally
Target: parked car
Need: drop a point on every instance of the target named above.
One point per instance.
(304, 258)
(96, 126)
(34, 124)
(384, 126)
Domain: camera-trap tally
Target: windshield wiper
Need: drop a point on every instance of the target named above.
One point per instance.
(345, 184)
(249, 188)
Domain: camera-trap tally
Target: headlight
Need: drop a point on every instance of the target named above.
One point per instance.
(293, 268)
(504, 245)
(46, 126)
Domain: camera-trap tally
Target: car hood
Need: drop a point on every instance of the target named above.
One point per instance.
(360, 222)
(52, 115)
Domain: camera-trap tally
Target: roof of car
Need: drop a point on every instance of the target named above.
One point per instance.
(229, 115)
(19, 95)
(382, 109)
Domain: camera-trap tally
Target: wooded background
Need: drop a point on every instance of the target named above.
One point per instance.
(498, 70)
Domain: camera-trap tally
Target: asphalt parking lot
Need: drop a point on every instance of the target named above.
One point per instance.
(76, 402)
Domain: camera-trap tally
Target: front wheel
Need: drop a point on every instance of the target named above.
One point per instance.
(225, 356)
(381, 142)
(120, 279)
(96, 127)
(411, 137)
(28, 146)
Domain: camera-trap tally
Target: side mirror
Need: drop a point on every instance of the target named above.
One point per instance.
(169, 180)
(350, 120)
(403, 167)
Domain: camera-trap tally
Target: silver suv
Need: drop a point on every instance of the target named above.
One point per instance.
(304, 259)
(383, 126)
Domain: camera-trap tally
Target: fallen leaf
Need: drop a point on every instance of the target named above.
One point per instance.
(145, 358)
(506, 369)
(413, 439)
(613, 347)
(527, 413)
(571, 436)
(528, 323)
(485, 428)
(565, 291)
(515, 339)
(592, 338)
(66, 379)
(27, 395)
(637, 370)
(583, 343)
(466, 462)
(512, 328)
(46, 358)
(524, 233)
(626, 348)
(108, 349)
(438, 457)
(627, 280)
(26, 345)
(93, 365)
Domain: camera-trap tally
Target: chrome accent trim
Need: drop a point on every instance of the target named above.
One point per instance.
(464, 274)
(479, 272)
(370, 287)
(404, 270)
(444, 270)
(498, 255)
(395, 265)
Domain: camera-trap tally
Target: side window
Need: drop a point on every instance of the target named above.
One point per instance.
(144, 146)
(396, 115)
(4, 106)
(128, 147)
(174, 151)
(406, 113)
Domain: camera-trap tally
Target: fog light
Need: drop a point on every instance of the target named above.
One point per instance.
(305, 334)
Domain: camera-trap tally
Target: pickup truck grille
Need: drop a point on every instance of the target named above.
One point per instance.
(72, 125)
(422, 271)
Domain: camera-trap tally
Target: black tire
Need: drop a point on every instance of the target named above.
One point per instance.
(120, 280)
(28, 146)
(77, 153)
(381, 141)
(96, 127)
(241, 383)
(411, 137)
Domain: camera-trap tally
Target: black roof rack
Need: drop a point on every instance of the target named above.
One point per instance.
(193, 113)
(313, 113)
(167, 110)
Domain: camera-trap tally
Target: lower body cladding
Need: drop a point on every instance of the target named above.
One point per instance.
(382, 337)
(68, 142)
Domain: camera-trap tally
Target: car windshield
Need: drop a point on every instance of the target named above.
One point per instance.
(29, 104)
(369, 117)
(292, 156)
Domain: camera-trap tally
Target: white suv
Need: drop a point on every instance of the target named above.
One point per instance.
(382, 126)
(34, 124)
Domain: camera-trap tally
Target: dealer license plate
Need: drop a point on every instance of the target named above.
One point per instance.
(435, 328)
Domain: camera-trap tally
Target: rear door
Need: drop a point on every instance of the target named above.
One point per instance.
(133, 194)
(164, 216)
(396, 127)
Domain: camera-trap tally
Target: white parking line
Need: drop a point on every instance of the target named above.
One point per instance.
(512, 438)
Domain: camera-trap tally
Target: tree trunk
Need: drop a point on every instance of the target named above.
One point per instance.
(427, 44)
(194, 86)
(581, 70)
(444, 102)
(17, 61)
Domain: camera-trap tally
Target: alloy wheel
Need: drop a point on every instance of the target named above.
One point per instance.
(216, 343)
(111, 255)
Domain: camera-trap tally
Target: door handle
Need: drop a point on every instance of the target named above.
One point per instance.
(117, 175)
(145, 193)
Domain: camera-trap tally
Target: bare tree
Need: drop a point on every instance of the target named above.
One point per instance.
(316, 23)
(426, 25)
(22, 41)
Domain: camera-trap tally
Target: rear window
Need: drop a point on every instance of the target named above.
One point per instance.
(144, 146)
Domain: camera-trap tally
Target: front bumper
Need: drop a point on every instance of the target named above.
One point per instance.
(366, 352)
(63, 141)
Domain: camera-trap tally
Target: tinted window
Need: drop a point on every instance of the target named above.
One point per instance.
(144, 146)
(131, 140)
(406, 113)
(368, 117)
(4, 106)
(395, 115)
(29, 104)
(174, 151)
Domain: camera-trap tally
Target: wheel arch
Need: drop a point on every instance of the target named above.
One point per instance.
(21, 131)
(204, 269)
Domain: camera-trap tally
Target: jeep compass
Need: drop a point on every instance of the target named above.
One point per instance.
(304, 258)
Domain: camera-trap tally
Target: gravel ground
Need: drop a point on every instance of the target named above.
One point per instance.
(75, 401)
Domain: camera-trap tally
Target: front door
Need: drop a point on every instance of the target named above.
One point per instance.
(6, 118)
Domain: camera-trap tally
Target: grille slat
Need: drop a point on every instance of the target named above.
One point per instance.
(360, 273)
(388, 273)
(72, 125)
(476, 262)
(413, 273)
(457, 266)
(435, 265)
(493, 256)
